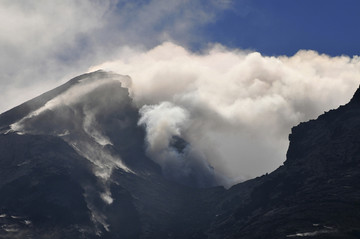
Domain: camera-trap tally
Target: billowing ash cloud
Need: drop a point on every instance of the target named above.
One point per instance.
(235, 108)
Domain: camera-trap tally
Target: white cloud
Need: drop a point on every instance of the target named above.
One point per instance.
(240, 105)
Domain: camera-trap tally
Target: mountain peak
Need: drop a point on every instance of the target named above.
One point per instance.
(73, 165)
(19, 112)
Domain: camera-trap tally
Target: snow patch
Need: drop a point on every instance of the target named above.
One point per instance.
(312, 234)
(10, 228)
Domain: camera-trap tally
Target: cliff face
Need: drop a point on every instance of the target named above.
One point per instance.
(73, 165)
(316, 193)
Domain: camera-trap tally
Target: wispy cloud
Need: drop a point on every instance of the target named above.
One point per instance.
(44, 43)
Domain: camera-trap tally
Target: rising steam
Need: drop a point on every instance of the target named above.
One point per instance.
(235, 108)
(164, 125)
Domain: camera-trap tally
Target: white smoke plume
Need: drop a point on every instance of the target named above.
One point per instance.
(235, 108)
(182, 163)
(162, 122)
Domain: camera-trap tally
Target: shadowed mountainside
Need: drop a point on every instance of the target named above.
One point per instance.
(73, 165)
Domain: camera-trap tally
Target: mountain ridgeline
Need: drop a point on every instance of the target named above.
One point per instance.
(73, 164)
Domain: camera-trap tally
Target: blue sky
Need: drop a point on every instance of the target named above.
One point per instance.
(281, 27)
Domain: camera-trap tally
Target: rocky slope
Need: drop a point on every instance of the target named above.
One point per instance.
(316, 193)
(73, 165)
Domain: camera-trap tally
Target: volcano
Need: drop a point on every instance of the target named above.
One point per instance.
(73, 164)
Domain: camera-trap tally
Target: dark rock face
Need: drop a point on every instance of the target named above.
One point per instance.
(316, 193)
(74, 166)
